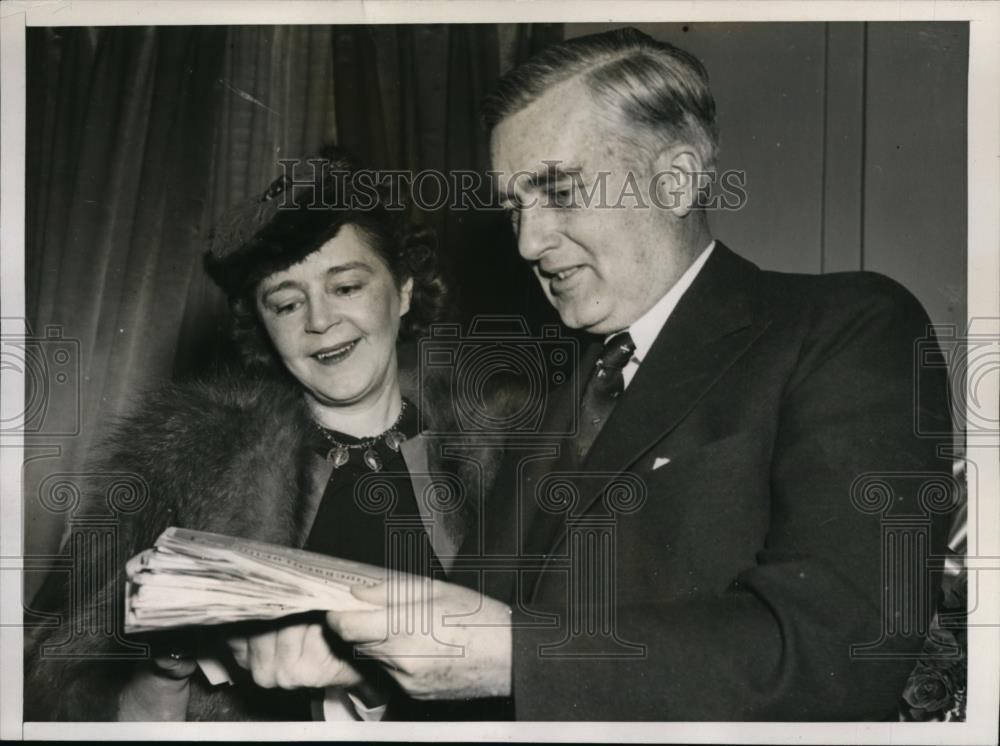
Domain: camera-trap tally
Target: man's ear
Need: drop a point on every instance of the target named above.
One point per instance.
(405, 293)
(679, 177)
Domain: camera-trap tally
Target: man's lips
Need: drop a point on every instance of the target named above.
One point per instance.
(334, 353)
(559, 273)
(560, 278)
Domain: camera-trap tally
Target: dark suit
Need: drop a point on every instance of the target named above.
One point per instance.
(743, 569)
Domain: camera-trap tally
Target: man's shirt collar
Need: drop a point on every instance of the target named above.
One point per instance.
(646, 329)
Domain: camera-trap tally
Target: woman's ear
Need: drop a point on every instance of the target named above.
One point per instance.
(405, 293)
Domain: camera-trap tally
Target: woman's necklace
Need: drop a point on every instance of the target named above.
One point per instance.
(340, 454)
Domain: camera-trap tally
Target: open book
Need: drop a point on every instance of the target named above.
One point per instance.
(199, 578)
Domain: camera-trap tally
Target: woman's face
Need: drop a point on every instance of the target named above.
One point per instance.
(333, 319)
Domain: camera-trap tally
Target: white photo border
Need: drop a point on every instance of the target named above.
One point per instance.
(983, 304)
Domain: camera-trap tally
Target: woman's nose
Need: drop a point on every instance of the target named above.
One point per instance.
(322, 315)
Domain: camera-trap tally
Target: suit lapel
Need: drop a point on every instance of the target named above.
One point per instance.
(711, 327)
(534, 526)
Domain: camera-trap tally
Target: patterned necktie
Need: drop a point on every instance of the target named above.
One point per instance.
(606, 384)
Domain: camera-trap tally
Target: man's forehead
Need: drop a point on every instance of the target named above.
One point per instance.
(562, 129)
(542, 169)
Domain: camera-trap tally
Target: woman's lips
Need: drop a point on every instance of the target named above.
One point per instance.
(335, 354)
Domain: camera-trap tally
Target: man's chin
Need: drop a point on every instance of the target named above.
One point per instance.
(586, 322)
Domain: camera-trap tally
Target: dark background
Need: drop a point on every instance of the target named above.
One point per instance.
(852, 137)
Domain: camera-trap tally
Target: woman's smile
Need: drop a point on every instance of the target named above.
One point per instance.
(335, 354)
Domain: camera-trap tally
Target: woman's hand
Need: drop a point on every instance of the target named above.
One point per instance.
(158, 690)
(291, 656)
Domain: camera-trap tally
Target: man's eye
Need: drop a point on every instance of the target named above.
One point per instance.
(562, 197)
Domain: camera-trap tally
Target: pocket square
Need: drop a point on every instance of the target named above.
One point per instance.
(658, 462)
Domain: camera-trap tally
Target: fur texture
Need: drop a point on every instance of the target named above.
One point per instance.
(228, 455)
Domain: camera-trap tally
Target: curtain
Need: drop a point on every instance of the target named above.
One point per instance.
(139, 138)
(408, 98)
(274, 99)
(118, 125)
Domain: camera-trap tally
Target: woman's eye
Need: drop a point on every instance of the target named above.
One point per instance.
(348, 290)
(283, 309)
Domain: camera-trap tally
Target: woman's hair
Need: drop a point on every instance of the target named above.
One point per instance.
(294, 218)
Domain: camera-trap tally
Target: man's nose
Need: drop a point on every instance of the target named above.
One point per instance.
(537, 231)
(322, 315)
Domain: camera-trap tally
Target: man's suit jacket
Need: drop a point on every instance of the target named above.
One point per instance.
(741, 521)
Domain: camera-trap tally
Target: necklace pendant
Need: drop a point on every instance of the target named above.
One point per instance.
(372, 461)
(339, 455)
(394, 439)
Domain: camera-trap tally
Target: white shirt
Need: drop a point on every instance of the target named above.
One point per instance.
(647, 328)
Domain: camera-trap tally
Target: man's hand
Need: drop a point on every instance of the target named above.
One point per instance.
(291, 656)
(438, 640)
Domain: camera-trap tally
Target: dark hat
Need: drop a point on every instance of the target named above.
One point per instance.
(293, 217)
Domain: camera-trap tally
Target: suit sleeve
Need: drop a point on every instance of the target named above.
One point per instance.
(776, 645)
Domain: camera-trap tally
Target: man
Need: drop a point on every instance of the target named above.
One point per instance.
(730, 424)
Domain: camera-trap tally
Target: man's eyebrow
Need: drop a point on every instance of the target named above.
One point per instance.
(332, 271)
(543, 178)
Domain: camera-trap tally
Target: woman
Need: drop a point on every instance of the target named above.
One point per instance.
(278, 452)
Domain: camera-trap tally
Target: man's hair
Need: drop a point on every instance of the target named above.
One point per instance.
(660, 90)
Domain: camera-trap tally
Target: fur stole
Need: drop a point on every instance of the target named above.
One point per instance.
(232, 455)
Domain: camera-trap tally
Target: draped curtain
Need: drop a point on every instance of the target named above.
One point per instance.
(139, 138)
(118, 151)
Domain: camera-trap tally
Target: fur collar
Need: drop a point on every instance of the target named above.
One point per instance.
(230, 454)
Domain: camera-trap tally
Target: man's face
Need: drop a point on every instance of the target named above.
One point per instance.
(601, 266)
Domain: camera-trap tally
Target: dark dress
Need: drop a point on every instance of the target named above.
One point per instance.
(372, 517)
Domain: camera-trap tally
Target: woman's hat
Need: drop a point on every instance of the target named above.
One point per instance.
(286, 223)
